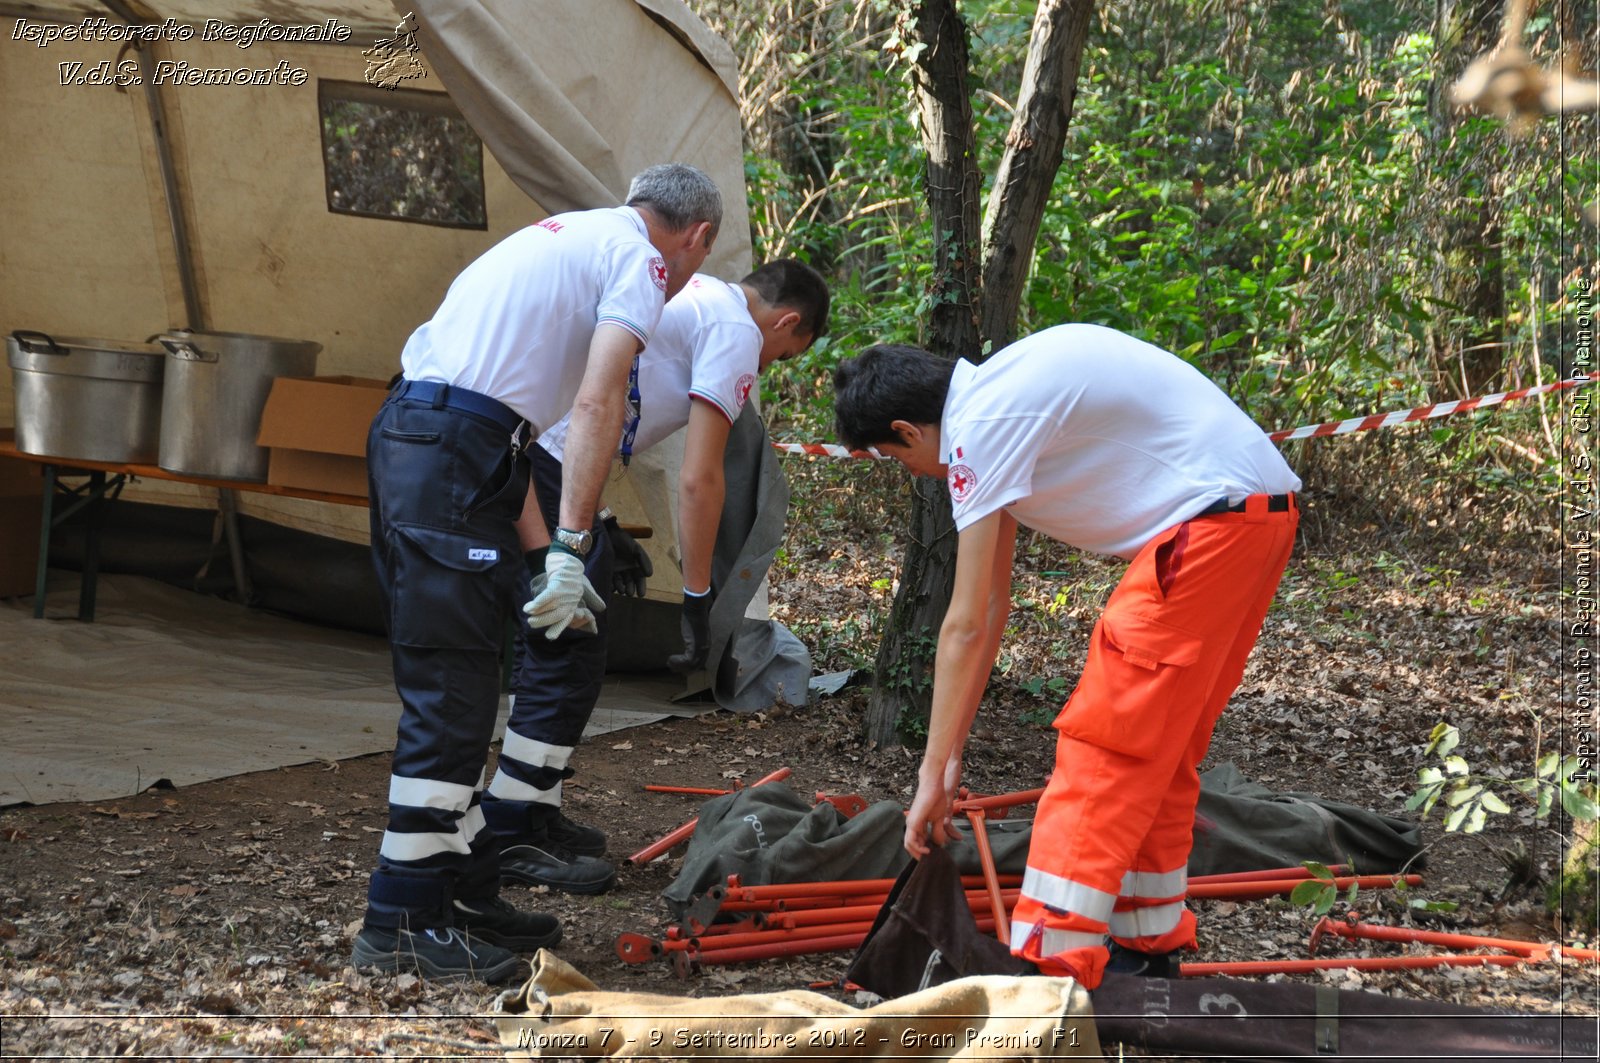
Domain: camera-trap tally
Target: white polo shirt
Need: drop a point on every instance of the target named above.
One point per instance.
(707, 345)
(517, 323)
(1099, 440)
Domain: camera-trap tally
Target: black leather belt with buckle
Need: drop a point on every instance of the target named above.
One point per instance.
(1275, 504)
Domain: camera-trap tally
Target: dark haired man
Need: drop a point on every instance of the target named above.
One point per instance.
(1112, 445)
(548, 320)
(698, 369)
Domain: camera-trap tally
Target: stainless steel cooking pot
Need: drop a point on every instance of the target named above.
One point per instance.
(215, 388)
(91, 399)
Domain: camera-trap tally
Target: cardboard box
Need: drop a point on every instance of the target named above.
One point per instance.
(316, 428)
(21, 488)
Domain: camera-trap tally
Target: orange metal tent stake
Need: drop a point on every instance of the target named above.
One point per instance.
(841, 887)
(683, 833)
(999, 802)
(1268, 874)
(719, 942)
(792, 946)
(1358, 963)
(1254, 890)
(980, 836)
(1409, 935)
(707, 791)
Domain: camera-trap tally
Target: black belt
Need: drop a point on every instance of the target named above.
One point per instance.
(1275, 504)
(432, 391)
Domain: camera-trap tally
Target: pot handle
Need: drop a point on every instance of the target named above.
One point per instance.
(184, 350)
(26, 338)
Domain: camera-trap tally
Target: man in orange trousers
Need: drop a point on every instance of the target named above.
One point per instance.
(1111, 445)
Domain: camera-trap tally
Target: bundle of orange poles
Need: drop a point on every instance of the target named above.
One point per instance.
(797, 918)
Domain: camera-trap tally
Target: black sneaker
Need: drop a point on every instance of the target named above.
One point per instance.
(544, 863)
(575, 838)
(446, 954)
(1144, 964)
(493, 920)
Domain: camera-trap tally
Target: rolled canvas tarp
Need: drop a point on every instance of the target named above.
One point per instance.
(574, 98)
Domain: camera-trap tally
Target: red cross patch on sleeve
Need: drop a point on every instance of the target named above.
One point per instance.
(962, 481)
(658, 272)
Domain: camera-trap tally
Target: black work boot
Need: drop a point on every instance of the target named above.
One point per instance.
(1144, 964)
(575, 838)
(538, 861)
(447, 954)
(493, 920)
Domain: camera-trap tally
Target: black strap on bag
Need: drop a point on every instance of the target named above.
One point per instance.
(925, 935)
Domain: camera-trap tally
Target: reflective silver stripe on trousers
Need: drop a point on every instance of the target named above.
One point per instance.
(1055, 942)
(1066, 895)
(421, 846)
(1146, 922)
(534, 754)
(1156, 884)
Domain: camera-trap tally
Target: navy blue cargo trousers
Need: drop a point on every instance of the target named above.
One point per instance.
(448, 476)
(554, 685)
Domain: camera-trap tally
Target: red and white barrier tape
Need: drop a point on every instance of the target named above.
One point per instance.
(825, 450)
(1425, 413)
(1327, 428)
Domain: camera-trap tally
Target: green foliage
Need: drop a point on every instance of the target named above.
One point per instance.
(1471, 798)
(1280, 193)
(1275, 192)
(1047, 694)
(904, 675)
(1040, 687)
(1320, 892)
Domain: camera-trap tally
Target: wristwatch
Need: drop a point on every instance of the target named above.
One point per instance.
(576, 541)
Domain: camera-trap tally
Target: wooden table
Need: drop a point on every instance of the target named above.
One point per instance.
(105, 482)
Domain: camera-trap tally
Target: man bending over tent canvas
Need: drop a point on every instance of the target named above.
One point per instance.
(698, 369)
(550, 319)
(1112, 445)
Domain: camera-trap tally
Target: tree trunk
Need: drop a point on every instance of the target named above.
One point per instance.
(903, 686)
(972, 302)
(902, 690)
(1033, 156)
(945, 102)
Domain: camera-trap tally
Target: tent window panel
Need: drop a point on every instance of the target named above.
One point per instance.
(400, 154)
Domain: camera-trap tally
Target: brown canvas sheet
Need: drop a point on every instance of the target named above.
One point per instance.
(560, 1013)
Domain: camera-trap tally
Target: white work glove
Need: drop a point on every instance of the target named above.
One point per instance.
(566, 598)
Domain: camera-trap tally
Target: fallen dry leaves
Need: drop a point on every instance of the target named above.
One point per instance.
(216, 920)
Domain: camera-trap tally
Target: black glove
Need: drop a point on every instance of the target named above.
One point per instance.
(696, 626)
(630, 565)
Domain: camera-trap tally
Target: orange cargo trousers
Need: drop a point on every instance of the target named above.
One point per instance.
(1112, 834)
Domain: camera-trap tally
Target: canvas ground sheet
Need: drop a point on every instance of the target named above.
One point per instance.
(560, 1013)
(769, 833)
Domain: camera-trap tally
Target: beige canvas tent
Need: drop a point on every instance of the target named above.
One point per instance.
(204, 202)
(138, 207)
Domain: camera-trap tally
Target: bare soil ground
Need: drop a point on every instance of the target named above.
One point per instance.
(216, 920)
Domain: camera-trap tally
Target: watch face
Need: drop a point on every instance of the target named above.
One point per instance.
(577, 541)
